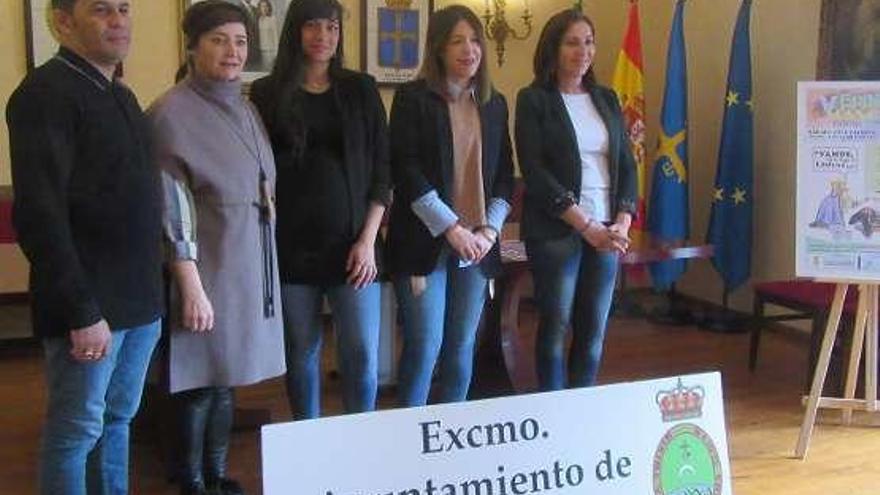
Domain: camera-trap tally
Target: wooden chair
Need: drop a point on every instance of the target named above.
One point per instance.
(7, 234)
(8, 237)
(806, 300)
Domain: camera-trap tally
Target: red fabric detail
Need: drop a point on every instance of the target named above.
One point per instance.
(632, 41)
(7, 234)
(516, 201)
(816, 294)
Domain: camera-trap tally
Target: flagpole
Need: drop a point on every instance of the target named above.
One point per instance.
(673, 311)
(624, 302)
(725, 320)
(627, 84)
(730, 222)
(668, 221)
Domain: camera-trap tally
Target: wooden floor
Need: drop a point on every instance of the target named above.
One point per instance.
(763, 414)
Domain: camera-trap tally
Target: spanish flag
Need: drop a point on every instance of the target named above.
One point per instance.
(629, 86)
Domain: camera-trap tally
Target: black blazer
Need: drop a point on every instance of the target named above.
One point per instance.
(551, 163)
(87, 199)
(365, 153)
(422, 159)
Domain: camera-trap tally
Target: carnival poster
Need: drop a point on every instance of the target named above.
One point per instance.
(838, 180)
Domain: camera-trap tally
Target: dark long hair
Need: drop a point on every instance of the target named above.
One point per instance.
(440, 26)
(289, 69)
(546, 64)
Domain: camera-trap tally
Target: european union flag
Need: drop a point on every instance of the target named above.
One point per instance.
(398, 38)
(730, 227)
(668, 213)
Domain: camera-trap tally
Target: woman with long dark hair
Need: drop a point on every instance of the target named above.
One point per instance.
(453, 175)
(218, 176)
(580, 197)
(328, 131)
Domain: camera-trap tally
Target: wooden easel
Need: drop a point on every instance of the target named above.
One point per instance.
(864, 337)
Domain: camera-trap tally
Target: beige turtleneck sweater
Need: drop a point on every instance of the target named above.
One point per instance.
(469, 199)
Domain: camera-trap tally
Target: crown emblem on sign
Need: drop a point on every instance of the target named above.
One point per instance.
(681, 402)
(398, 4)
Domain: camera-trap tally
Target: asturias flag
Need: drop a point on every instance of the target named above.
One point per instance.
(730, 227)
(668, 212)
(628, 83)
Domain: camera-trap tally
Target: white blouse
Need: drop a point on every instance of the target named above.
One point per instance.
(592, 140)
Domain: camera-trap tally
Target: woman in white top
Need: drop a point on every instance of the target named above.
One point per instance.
(580, 196)
(267, 27)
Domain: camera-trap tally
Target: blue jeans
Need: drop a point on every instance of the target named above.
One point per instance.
(574, 285)
(356, 314)
(90, 406)
(439, 323)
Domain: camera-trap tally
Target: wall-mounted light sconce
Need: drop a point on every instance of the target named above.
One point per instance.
(497, 28)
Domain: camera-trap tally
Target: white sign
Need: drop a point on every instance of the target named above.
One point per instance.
(42, 42)
(662, 437)
(838, 180)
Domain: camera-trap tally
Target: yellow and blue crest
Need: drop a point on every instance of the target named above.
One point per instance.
(398, 35)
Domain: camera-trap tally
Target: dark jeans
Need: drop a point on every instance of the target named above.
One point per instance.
(574, 285)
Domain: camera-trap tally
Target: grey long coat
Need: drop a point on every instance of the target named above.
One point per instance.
(210, 144)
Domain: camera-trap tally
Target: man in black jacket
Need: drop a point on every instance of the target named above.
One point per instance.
(87, 209)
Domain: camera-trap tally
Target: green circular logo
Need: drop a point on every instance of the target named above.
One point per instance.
(686, 463)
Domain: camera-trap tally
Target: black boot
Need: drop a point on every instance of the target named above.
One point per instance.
(218, 430)
(193, 489)
(194, 407)
(224, 486)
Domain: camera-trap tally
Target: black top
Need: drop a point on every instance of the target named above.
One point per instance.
(422, 159)
(325, 236)
(323, 193)
(550, 160)
(87, 204)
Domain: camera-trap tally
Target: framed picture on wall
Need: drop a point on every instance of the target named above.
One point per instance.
(41, 43)
(394, 38)
(267, 17)
(849, 40)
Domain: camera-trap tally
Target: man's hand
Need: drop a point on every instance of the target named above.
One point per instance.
(90, 343)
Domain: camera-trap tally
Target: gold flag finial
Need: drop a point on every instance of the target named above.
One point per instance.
(398, 4)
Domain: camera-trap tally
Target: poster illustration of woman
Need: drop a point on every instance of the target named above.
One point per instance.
(267, 17)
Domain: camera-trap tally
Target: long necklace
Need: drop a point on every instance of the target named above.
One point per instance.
(252, 146)
(266, 205)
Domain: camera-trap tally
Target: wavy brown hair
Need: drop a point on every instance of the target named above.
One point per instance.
(440, 26)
